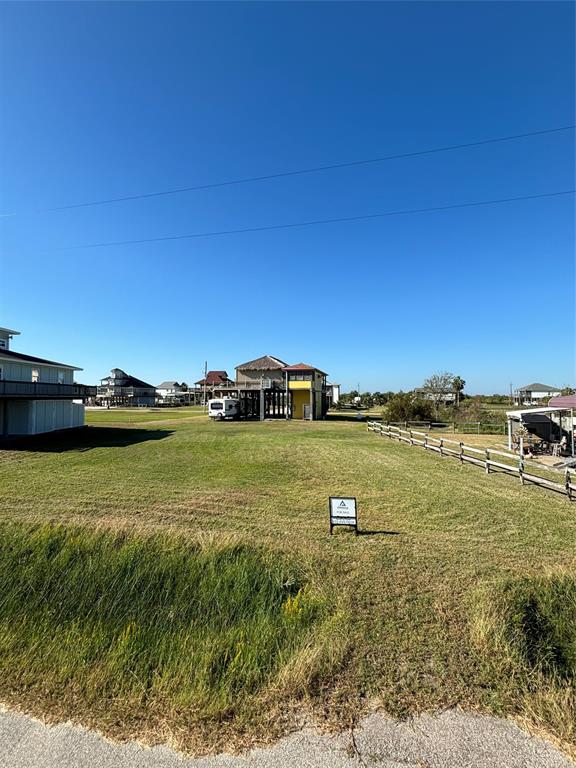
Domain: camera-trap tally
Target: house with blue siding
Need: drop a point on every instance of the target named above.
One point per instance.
(37, 395)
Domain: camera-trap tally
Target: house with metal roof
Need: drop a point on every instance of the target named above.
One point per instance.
(535, 394)
(37, 395)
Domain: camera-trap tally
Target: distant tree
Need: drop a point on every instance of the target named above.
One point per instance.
(568, 391)
(458, 385)
(366, 399)
(437, 387)
(407, 406)
(184, 387)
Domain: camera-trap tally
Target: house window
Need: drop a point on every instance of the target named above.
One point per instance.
(35, 375)
(1, 373)
(3, 343)
(60, 377)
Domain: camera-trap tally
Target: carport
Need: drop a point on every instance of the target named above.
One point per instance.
(549, 423)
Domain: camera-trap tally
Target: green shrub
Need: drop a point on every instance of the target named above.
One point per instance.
(541, 624)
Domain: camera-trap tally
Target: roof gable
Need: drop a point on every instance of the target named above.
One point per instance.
(538, 388)
(265, 363)
(216, 377)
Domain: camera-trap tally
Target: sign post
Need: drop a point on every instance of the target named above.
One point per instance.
(343, 512)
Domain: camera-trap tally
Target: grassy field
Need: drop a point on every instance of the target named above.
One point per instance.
(460, 589)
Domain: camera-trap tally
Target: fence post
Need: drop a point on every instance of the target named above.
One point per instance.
(478, 427)
(521, 462)
(461, 452)
(441, 445)
(411, 438)
(426, 441)
(487, 461)
(568, 488)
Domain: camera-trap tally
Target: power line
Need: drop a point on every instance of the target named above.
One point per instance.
(316, 222)
(303, 171)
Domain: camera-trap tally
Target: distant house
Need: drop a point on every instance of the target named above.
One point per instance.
(263, 373)
(171, 392)
(333, 393)
(121, 389)
(37, 395)
(535, 394)
(448, 398)
(216, 384)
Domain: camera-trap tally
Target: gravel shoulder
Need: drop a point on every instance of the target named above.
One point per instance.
(453, 739)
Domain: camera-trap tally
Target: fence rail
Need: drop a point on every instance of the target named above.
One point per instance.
(464, 427)
(511, 463)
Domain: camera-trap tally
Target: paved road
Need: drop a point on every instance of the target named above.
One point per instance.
(451, 740)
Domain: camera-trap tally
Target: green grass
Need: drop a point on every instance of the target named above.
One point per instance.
(526, 631)
(405, 607)
(123, 624)
(541, 622)
(141, 415)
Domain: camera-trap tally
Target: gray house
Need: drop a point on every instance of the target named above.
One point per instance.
(535, 394)
(121, 389)
(37, 395)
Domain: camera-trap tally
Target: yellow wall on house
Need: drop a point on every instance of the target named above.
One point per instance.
(300, 398)
(299, 385)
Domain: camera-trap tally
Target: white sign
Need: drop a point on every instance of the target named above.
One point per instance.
(343, 511)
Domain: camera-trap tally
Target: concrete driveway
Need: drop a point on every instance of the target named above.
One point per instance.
(453, 739)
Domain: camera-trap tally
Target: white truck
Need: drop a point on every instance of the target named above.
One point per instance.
(224, 408)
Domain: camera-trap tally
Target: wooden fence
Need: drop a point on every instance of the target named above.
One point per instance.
(464, 427)
(505, 461)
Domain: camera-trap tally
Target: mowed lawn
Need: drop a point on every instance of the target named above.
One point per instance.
(415, 609)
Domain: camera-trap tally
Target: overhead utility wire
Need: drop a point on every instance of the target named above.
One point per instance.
(302, 171)
(315, 222)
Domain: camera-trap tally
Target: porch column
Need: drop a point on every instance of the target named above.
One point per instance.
(509, 433)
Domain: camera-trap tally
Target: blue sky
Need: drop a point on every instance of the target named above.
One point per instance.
(101, 100)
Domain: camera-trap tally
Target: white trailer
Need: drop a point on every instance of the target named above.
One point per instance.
(224, 408)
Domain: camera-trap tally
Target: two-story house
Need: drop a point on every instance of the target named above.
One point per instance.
(37, 395)
(283, 391)
(265, 372)
(308, 391)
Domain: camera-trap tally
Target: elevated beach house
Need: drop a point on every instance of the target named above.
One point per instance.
(37, 395)
(272, 389)
(121, 389)
(535, 394)
(215, 384)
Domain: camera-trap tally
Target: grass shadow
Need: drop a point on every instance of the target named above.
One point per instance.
(83, 439)
(378, 533)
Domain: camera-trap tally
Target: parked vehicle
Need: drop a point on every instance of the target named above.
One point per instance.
(224, 408)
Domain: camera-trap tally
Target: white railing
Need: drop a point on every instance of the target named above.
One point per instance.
(511, 463)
